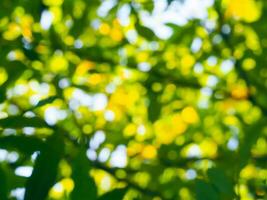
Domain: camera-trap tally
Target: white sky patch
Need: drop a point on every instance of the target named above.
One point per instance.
(206, 91)
(91, 154)
(98, 138)
(96, 102)
(82, 98)
(12, 157)
(212, 81)
(226, 29)
(18, 193)
(123, 15)
(227, 66)
(34, 99)
(198, 68)
(105, 7)
(20, 89)
(28, 130)
(34, 156)
(131, 35)
(194, 151)
(11, 55)
(78, 44)
(232, 144)
(64, 83)
(190, 174)
(53, 115)
(196, 45)
(3, 155)
(46, 19)
(109, 115)
(13, 109)
(144, 66)
(212, 61)
(9, 131)
(177, 13)
(210, 25)
(41, 89)
(24, 171)
(110, 88)
(141, 129)
(29, 114)
(104, 155)
(58, 187)
(217, 39)
(119, 157)
(100, 102)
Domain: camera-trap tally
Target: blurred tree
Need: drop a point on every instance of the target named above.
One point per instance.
(133, 99)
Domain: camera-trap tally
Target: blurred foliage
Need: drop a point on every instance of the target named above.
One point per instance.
(96, 104)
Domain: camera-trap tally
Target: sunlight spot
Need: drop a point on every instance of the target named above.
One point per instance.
(189, 115)
(149, 152)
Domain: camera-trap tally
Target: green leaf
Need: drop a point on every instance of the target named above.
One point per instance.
(24, 144)
(9, 180)
(14, 70)
(20, 122)
(45, 170)
(252, 133)
(218, 178)
(144, 31)
(44, 102)
(154, 107)
(3, 185)
(116, 194)
(85, 187)
(169, 1)
(205, 191)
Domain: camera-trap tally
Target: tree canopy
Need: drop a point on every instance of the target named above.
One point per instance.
(133, 99)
